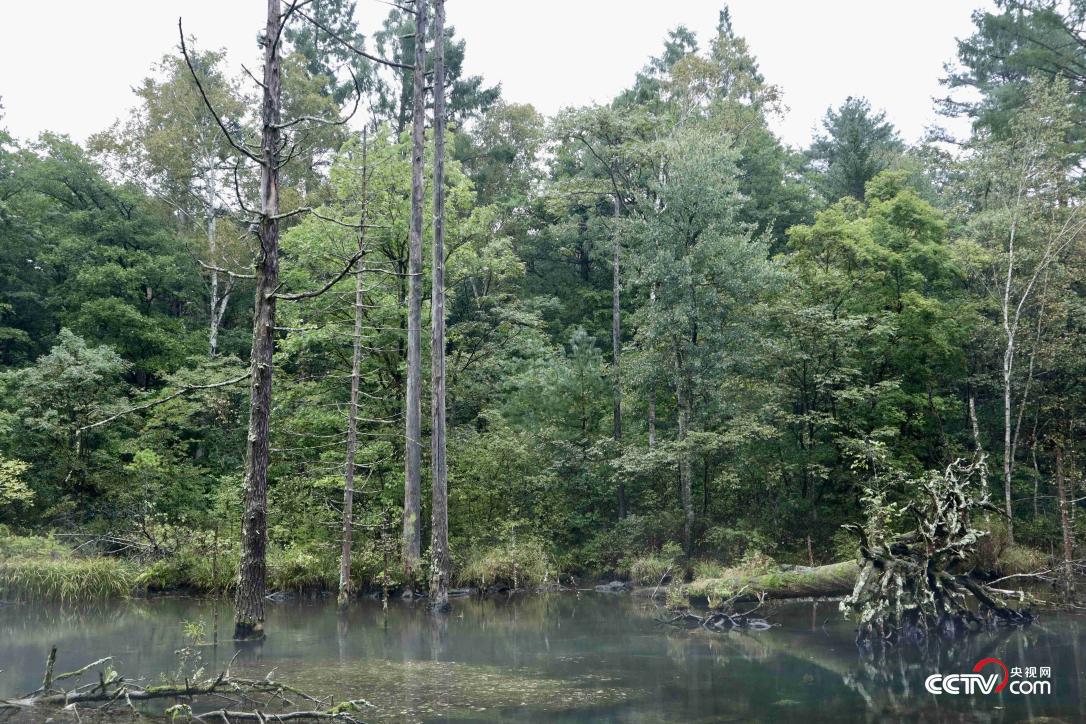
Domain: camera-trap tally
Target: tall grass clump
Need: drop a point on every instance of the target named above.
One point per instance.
(523, 564)
(66, 580)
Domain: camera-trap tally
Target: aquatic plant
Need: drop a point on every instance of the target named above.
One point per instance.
(66, 580)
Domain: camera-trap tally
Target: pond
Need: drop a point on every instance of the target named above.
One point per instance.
(562, 657)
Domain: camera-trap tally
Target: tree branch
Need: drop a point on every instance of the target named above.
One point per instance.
(167, 398)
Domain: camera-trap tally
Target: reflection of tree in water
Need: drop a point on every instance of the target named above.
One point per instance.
(894, 676)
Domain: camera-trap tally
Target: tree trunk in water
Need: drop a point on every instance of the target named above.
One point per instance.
(412, 506)
(439, 528)
(684, 465)
(249, 600)
(347, 530)
(1065, 523)
(616, 347)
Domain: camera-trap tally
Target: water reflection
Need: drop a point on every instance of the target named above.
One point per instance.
(563, 657)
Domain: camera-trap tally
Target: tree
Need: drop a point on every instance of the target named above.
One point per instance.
(708, 274)
(440, 561)
(172, 145)
(249, 597)
(856, 145)
(1017, 42)
(349, 466)
(412, 508)
(1023, 227)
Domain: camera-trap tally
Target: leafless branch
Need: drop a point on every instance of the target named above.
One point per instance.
(354, 49)
(240, 148)
(167, 398)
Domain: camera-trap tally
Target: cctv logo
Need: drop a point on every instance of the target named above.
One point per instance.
(978, 683)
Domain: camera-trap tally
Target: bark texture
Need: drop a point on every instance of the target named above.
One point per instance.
(347, 528)
(439, 528)
(412, 507)
(252, 576)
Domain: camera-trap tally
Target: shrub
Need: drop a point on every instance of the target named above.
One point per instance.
(729, 545)
(648, 570)
(1018, 559)
(522, 564)
(299, 569)
(15, 546)
(708, 569)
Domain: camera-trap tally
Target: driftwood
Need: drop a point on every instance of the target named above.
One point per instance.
(115, 692)
(723, 616)
(916, 584)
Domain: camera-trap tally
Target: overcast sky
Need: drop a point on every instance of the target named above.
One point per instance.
(69, 65)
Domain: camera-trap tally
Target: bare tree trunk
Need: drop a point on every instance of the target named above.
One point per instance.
(347, 531)
(683, 399)
(412, 505)
(616, 345)
(1065, 523)
(249, 600)
(213, 251)
(1008, 449)
(439, 528)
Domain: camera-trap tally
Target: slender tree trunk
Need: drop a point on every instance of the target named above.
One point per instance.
(249, 600)
(412, 506)
(213, 252)
(439, 528)
(347, 531)
(652, 419)
(1065, 523)
(683, 399)
(616, 345)
(1008, 448)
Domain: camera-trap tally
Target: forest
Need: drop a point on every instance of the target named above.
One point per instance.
(349, 321)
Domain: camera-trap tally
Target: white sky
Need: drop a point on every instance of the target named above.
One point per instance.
(69, 65)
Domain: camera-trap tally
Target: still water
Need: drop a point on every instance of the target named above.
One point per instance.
(561, 657)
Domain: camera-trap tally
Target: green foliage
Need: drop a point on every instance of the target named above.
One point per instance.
(524, 563)
(648, 570)
(783, 315)
(13, 489)
(66, 580)
(857, 144)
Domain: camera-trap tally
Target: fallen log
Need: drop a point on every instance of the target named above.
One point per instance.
(835, 579)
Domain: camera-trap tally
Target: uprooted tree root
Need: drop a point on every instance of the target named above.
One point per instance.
(721, 617)
(914, 585)
(113, 692)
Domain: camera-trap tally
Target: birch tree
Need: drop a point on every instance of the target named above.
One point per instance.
(1023, 228)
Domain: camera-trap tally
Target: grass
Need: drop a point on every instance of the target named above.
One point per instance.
(756, 576)
(525, 564)
(65, 580)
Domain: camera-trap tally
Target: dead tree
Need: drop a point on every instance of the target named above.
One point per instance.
(264, 221)
(412, 504)
(916, 584)
(439, 527)
(347, 528)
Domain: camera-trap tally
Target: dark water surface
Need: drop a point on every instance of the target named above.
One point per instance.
(561, 657)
